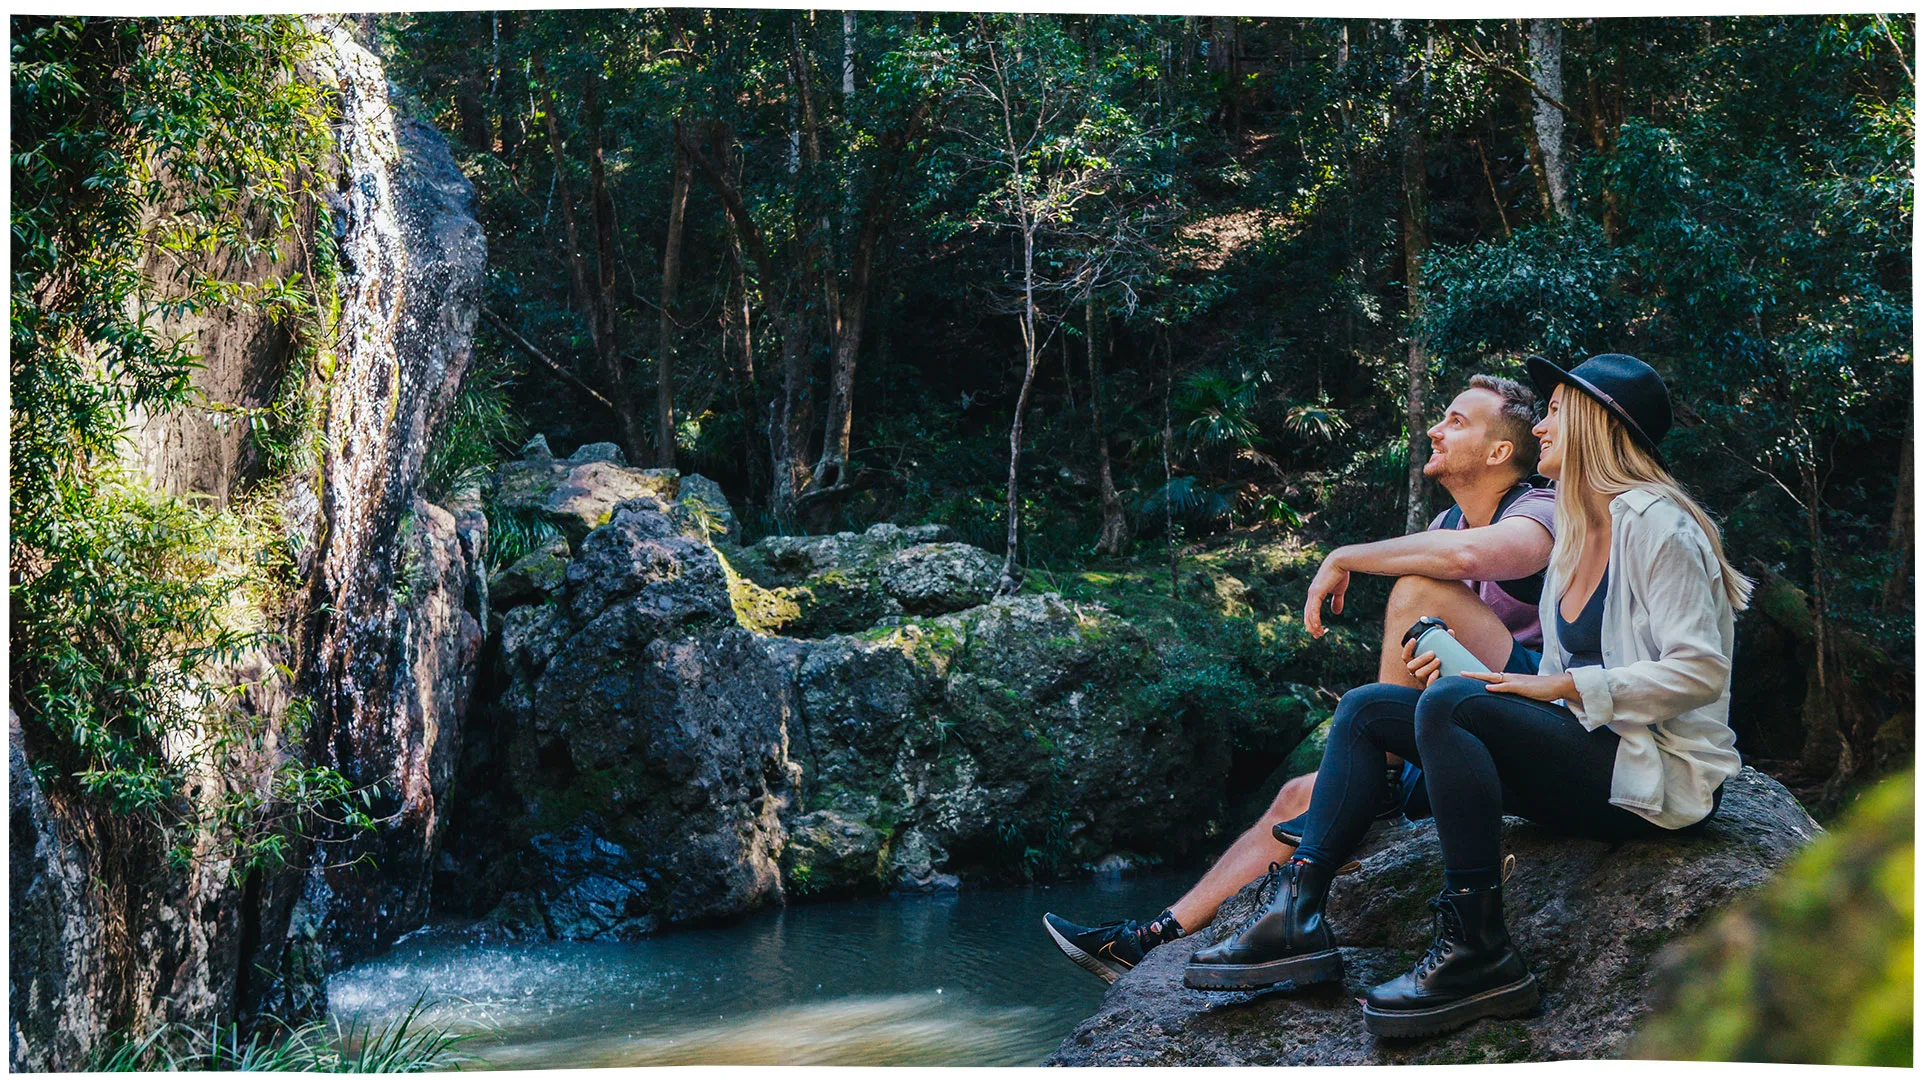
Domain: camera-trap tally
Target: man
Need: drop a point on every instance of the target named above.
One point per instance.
(1477, 566)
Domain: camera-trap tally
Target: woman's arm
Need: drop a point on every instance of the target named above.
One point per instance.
(1677, 578)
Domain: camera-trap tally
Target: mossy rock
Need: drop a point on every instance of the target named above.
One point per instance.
(530, 579)
(577, 497)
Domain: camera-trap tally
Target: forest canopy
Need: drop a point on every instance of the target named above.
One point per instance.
(1085, 288)
(1209, 274)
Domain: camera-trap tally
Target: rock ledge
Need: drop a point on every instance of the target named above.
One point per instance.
(1589, 916)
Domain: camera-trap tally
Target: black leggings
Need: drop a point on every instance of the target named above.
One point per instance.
(1483, 754)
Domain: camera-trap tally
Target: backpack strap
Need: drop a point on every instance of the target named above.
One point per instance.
(1527, 589)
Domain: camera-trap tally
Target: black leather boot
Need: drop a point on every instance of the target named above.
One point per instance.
(1289, 941)
(1470, 971)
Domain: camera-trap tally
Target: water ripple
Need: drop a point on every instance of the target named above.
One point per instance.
(966, 980)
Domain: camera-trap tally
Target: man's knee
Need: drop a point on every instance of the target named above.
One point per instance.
(1414, 596)
(1292, 801)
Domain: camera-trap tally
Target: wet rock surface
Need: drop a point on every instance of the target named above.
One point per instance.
(1589, 917)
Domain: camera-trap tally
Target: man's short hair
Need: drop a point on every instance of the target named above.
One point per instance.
(1519, 410)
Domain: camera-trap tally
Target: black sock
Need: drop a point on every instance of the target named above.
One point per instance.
(1473, 880)
(1161, 929)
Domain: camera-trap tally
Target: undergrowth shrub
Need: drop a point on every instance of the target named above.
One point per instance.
(402, 1045)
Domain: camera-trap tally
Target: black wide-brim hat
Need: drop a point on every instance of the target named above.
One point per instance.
(1626, 387)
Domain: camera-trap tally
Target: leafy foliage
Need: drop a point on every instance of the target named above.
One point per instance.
(154, 161)
(1817, 968)
(483, 428)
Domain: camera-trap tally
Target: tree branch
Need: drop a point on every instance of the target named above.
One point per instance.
(530, 349)
(1477, 55)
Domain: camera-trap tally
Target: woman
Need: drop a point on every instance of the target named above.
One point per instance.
(1622, 734)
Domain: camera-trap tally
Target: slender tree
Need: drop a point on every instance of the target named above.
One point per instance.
(669, 296)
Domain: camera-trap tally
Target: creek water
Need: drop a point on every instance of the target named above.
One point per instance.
(956, 979)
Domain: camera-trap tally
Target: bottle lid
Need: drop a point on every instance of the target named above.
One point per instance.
(1421, 626)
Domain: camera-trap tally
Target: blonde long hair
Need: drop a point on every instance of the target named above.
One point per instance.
(1598, 455)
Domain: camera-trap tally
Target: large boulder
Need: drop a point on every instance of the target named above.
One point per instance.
(1589, 916)
(666, 688)
(846, 582)
(576, 497)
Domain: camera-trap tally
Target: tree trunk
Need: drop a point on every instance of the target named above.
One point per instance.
(847, 307)
(1898, 592)
(848, 30)
(1603, 127)
(794, 419)
(1825, 748)
(751, 399)
(1113, 516)
(606, 313)
(1414, 234)
(592, 298)
(1029, 334)
(1545, 46)
(669, 294)
(794, 410)
(837, 443)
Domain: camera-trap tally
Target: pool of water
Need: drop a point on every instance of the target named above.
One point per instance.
(966, 979)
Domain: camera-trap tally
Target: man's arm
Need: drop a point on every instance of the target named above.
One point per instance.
(1513, 547)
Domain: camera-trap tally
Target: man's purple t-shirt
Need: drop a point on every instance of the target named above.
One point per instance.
(1521, 619)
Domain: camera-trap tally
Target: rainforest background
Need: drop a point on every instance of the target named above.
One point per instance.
(1211, 276)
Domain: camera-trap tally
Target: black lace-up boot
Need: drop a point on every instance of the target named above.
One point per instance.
(1470, 971)
(1288, 941)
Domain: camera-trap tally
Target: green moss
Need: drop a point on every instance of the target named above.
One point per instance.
(559, 806)
(763, 611)
(1495, 1043)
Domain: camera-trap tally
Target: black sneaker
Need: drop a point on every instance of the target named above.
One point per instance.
(1111, 949)
(1405, 795)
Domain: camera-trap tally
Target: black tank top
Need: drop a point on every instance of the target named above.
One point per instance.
(1581, 637)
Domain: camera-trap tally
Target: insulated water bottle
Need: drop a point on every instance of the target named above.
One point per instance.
(1429, 635)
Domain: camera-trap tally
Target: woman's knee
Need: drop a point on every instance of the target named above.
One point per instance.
(1440, 702)
(1359, 706)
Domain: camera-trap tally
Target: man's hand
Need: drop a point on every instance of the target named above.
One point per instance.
(1538, 687)
(1426, 667)
(1329, 584)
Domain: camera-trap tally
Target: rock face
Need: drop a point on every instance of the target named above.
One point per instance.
(383, 637)
(639, 704)
(390, 671)
(1588, 916)
(57, 957)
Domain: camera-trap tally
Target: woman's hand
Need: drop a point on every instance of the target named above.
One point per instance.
(1537, 687)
